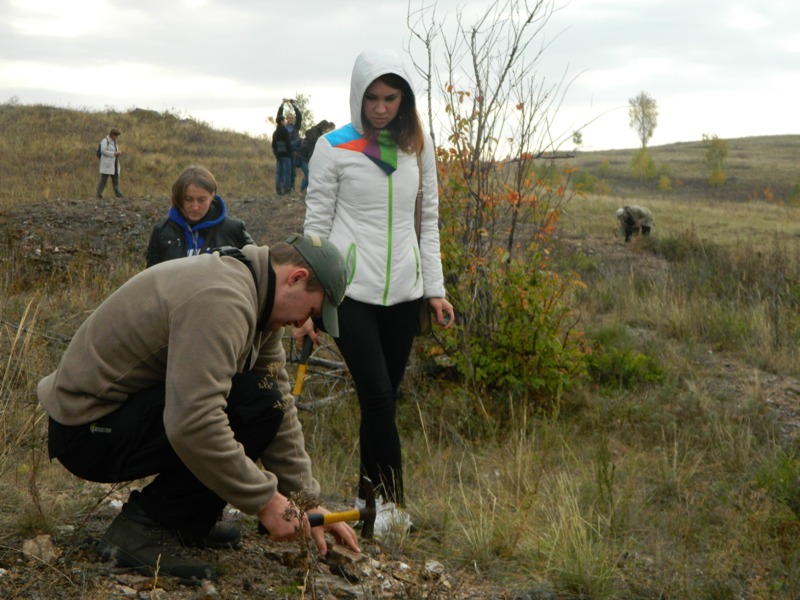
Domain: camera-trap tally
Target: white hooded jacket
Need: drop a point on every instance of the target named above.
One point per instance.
(108, 160)
(368, 214)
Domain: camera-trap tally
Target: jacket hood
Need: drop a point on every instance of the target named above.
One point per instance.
(215, 215)
(370, 65)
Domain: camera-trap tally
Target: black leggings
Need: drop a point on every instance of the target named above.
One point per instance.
(375, 342)
(131, 443)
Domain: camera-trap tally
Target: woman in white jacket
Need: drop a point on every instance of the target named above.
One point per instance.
(109, 163)
(363, 182)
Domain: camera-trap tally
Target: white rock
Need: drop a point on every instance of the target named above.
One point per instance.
(40, 548)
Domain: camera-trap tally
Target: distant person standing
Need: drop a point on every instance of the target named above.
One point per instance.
(282, 149)
(294, 122)
(307, 148)
(109, 163)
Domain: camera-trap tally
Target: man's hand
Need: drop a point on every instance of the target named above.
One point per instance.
(306, 329)
(272, 517)
(341, 532)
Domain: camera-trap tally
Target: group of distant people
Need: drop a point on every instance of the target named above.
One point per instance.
(291, 150)
(179, 376)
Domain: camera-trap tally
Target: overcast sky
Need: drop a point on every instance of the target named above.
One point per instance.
(729, 68)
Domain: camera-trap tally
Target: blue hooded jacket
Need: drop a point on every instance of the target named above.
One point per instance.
(173, 237)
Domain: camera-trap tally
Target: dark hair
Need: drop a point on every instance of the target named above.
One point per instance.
(283, 253)
(194, 175)
(114, 131)
(406, 127)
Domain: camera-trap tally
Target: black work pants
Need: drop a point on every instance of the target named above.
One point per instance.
(130, 443)
(375, 342)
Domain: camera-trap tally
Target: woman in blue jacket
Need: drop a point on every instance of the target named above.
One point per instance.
(363, 183)
(197, 221)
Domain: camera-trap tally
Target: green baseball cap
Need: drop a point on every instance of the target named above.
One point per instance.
(328, 265)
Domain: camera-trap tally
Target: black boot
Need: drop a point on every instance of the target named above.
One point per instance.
(135, 540)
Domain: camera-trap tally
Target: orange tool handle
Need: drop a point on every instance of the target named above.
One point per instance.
(308, 346)
(317, 519)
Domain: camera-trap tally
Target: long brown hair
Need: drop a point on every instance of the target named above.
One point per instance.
(406, 126)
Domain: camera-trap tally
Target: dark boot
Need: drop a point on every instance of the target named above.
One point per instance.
(222, 536)
(134, 540)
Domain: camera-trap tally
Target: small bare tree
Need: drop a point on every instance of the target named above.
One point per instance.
(497, 113)
(502, 191)
(425, 33)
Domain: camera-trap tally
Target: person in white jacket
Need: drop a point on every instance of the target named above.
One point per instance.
(109, 163)
(363, 183)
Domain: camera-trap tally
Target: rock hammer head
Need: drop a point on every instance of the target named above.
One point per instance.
(369, 512)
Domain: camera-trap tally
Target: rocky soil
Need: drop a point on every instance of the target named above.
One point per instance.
(64, 564)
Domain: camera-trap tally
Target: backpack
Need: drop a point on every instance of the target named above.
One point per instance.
(99, 151)
(312, 135)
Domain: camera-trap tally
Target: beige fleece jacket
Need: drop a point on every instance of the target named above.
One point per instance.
(191, 323)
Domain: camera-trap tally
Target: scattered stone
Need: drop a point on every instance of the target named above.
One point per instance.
(331, 586)
(207, 591)
(286, 554)
(350, 565)
(125, 590)
(40, 548)
(434, 569)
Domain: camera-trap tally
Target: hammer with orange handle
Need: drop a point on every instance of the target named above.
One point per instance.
(305, 354)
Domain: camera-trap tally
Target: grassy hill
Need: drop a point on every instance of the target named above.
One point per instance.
(673, 472)
(49, 153)
(758, 168)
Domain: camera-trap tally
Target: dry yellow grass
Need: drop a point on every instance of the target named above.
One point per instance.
(49, 153)
(679, 489)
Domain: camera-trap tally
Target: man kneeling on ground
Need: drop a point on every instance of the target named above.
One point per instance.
(180, 373)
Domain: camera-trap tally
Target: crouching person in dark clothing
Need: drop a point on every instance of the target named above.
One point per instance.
(635, 219)
(180, 374)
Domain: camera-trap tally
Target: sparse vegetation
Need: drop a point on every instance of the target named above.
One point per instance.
(716, 153)
(671, 473)
(498, 216)
(643, 166)
(48, 153)
(753, 165)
